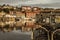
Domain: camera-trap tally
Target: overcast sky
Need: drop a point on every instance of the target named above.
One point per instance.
(29, 2)
(16, 2)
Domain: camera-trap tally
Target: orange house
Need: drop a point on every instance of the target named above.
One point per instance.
(30, 15)
(31, 19)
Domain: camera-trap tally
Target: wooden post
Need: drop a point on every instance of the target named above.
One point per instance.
(48, 36)
(52, 36)
(32, 36)
(23, 29)
(14, 28)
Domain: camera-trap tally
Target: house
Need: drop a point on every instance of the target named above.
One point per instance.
(26, 8)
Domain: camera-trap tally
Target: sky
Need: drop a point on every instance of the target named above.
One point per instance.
(29, 2)
(16, 2)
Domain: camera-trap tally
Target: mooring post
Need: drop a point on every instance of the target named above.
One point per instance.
(32, 36)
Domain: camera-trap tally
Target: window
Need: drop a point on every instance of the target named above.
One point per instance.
(57, 19)
(17, 19)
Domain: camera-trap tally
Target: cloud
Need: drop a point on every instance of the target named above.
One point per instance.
(27, 2)
(34, 2)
